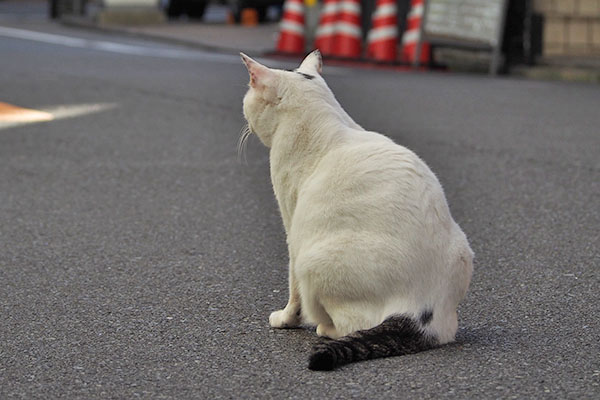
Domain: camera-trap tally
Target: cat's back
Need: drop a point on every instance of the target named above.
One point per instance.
(367, 181)
(370, 163)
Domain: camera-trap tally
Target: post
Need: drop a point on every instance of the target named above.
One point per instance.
(131, 12)
(70, 7)
(497, 49)
(312, 9)
(420, 39)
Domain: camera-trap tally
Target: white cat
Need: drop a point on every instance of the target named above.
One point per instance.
(375, 259)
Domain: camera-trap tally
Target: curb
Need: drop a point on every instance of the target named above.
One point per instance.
(90, 24)
(558, 73)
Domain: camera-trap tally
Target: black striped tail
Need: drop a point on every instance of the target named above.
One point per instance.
(398, 335)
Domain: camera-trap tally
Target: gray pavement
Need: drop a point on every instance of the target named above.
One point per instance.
(214, 36)
(139, 258)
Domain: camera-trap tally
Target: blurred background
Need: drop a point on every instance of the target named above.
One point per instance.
(556, 37)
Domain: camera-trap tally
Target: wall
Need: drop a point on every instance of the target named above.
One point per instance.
(571, 27)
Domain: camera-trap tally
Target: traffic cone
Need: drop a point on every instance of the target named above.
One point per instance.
(348, 32)
(325, 34)
(383, 35)
(249, 17)
(410, 38)
(291, 29)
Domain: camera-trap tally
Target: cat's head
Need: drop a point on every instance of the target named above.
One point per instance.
(273, 93)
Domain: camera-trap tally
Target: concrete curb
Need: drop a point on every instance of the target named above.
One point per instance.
(132, 32)
(558, 73)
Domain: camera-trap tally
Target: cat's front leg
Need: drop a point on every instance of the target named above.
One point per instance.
(289, 317)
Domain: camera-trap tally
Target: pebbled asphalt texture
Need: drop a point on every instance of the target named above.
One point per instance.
(140, 258)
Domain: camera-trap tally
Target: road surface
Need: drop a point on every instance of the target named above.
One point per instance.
(140, 258)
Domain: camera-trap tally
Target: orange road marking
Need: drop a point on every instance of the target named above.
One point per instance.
(14, 114)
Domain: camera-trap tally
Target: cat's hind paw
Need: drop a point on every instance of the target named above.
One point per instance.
(327, 331)
(284, 319)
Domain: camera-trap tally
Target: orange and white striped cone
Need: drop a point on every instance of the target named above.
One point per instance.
(291, 29)
(325, 34)
(383, 35)
(348, 32)
(410, 38)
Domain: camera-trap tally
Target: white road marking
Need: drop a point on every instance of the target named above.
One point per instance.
(114, 47)
(16, 116)
(144, 51)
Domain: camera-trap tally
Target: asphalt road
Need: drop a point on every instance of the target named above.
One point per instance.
(139, 258)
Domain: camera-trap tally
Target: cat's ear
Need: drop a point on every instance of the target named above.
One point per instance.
(313, 63)
(259, 74)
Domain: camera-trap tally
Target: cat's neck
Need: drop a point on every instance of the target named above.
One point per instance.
(301, 140)
(305, 134)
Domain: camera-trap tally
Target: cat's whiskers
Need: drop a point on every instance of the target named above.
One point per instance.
(245, 133)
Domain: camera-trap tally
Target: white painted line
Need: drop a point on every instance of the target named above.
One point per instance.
(114, 47)
(120, 48)
(28, 116)
(41, 37)
(77, 110)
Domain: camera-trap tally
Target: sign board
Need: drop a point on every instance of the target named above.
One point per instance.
(131, 3)
(466, 23)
